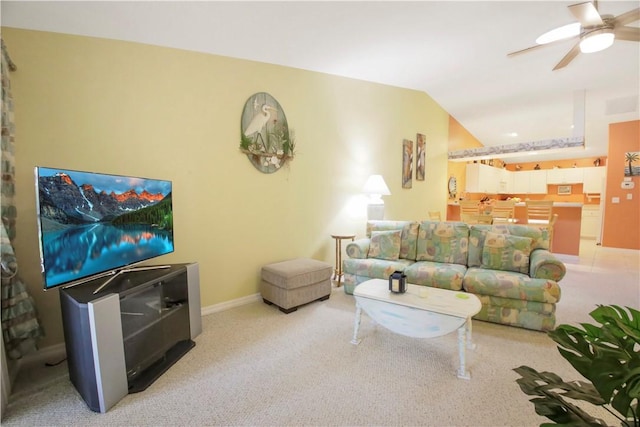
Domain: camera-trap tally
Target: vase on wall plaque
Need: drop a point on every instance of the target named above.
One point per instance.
(265, 135)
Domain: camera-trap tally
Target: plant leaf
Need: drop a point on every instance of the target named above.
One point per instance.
(551, 388)
(606, 354)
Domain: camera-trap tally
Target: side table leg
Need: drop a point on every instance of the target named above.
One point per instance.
(462, 348)
(356, 325)
(339, 261)
(335, 270)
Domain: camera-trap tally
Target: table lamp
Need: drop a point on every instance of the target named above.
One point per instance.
(375, 187)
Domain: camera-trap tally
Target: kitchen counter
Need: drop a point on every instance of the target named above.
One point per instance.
(566, 232)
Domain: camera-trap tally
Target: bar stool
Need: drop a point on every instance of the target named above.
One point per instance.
(503, 211)
(539, 211)
(434, 216)
(469, 209)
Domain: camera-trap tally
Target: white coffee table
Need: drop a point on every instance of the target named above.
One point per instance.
(421, 312)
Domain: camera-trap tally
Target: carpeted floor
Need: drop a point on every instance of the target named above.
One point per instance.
(253, 365)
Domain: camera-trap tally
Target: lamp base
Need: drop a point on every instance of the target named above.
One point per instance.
(375, 211)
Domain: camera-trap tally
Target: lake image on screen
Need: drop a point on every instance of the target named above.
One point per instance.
(93, 223)
(86, 250)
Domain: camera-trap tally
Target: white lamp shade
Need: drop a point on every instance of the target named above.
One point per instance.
(376, 187)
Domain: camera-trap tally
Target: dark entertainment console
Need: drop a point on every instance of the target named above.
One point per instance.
(121, 339)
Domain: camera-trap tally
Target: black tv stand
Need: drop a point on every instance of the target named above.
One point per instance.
(122, 271)
(121, 340)
(153, 372)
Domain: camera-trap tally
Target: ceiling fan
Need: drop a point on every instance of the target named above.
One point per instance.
(594, 32)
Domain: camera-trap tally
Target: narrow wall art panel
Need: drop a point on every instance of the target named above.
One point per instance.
(420, 156)
(407, 163)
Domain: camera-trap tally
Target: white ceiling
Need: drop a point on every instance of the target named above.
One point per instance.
(454, 51)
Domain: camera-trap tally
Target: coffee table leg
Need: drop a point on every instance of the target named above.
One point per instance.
(356, 325)
(462, 350)
(470, 344)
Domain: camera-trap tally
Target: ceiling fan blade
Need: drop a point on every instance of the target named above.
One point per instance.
(518, 52)
(575, 50)
(560, 33)
(529, 49)
(627, 17)
(631, 34)
(586, 13)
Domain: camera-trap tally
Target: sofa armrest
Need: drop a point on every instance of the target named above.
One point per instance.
(544, 265)
(358, 249)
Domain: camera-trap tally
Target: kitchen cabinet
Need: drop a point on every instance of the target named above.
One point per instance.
(565, 176)
(538, 182)
(530, 182)
(482, 178)
(594, 179)
(590, 225)
(505, 181)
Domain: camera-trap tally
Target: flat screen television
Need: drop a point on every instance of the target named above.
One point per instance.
(93, 224)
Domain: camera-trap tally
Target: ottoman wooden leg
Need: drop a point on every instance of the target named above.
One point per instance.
(288, 310)
(267, 301)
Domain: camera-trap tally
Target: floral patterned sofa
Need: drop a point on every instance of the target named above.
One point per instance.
(509, 267)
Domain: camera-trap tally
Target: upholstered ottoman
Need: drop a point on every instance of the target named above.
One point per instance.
(290, 284)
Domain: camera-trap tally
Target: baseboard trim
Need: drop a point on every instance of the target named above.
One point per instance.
(51, 354)
(57, 352)
(230, 304)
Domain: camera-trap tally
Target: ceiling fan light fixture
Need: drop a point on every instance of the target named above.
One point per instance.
(560, 33)
(597, 40)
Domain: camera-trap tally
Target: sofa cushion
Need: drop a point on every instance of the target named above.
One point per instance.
(477, 234)
(539, 235)
(436, 274)
(535, 316)
(507, 284)
(446, 242)
(373, 268)
(506, 252)
(409, 234)
(385, 245)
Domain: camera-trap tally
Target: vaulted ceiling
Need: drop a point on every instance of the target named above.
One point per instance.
(454, 51)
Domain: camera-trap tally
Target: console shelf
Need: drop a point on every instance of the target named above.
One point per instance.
(121, 339)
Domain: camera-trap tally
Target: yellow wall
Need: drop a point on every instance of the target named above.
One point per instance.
(460, 139)
(132, 109)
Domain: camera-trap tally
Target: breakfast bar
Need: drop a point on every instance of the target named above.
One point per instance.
(566, 232)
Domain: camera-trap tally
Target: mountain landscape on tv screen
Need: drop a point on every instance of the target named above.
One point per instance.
(94, 223)
(64, 202)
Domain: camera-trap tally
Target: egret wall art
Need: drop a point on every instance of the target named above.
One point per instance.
(265, 135)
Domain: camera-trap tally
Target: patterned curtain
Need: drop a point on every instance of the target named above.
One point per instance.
(20, 326)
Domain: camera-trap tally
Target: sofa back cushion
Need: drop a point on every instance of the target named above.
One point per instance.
(539, 238)
(407, 240)
(506, 252)
(443, 242)
(385, 245)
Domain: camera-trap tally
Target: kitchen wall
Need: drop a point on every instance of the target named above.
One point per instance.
(132, 109)
(622, 216)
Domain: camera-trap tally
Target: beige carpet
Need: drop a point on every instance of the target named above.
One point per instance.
(253, 365)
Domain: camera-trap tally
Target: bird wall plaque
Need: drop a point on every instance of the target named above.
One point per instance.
(266, 138)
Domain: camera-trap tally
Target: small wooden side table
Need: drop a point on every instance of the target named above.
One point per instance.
(337, 272)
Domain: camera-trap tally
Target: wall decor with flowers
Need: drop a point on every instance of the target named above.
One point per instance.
(265, 135)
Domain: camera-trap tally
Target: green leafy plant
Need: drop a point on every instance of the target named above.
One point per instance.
(607, 355)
